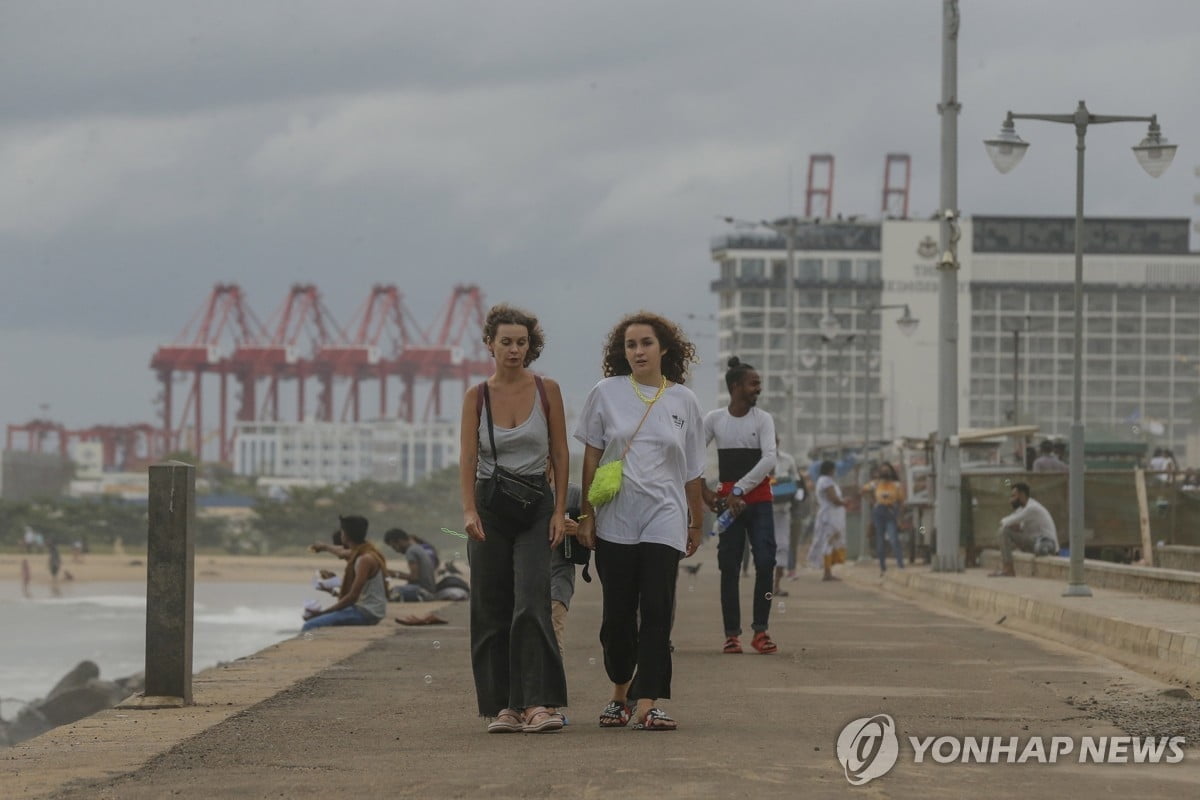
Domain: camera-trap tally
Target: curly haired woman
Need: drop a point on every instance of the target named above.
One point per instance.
(641, 409)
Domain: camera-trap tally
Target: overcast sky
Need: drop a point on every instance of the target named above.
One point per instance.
(567, 156)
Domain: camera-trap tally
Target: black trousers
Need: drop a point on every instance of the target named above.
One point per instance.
(639, 601)
(514, 654)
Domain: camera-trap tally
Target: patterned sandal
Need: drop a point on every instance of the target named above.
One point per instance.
(732, 645)
(656, 720)
(614, 715)
(507, 721)
(539, 720)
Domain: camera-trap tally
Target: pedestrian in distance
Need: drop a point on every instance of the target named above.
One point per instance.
(642, 416)
(786, 484)
(745, 438)
(886, 494)
(828, 546)
(1047, 461)
(510, 423)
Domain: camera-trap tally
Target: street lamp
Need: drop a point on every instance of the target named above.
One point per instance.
(839, 345)
(1017, 329)
(1154, 155)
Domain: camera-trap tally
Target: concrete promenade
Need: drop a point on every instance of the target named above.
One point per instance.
(383, 712)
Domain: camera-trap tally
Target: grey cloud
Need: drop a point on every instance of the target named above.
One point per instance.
(567, 156)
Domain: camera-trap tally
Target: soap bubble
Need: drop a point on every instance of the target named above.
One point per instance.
(1136, 430)
(308, 636)
(691, 587)
(437, 645)
(768, 595)
(428, 679)
(922, 530)
(457, 556)
(782, 607)
(592, 661)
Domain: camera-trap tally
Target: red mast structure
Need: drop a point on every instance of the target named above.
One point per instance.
(196, 351)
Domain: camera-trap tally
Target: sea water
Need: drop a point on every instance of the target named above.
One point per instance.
(43, 637)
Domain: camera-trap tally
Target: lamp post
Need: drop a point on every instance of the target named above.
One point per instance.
(839, 345)
(949, 479)
(1017, 330)
(1154, 155)
(907, 325)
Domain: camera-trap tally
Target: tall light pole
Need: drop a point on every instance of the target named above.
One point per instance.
(949, 492)
(1154, 154)
(788, 228)
(839, 345)
(1017, 330)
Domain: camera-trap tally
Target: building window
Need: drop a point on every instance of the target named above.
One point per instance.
(1129, 302)
(1129, 324)
(753, 268)
(809, 270)
(728, 270)
(1158, 303)
(1187, 304)
(844, 270)
(1041, 301)
(1012, 301)
(779, 271)
(1158, 325)
(752, 299)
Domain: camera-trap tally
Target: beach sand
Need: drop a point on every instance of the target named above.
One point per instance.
(105, 568)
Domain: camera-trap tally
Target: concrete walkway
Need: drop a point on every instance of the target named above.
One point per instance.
(1154, 636)
(395, 716)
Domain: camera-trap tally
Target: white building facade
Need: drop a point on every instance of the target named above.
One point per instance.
(1142, 326)
(330, 452)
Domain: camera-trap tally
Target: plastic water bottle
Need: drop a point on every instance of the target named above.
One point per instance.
(724, 520)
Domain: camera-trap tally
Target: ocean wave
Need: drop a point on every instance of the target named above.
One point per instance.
(256, 617)
(102, 600)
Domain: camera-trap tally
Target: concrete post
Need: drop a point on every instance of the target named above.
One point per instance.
(169, 584)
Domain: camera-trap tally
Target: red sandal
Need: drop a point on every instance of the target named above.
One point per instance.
(763, 644)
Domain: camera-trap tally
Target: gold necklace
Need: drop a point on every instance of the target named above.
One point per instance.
(649, 400)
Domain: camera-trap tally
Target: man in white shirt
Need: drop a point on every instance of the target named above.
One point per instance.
(745, 437)
(1030, 528)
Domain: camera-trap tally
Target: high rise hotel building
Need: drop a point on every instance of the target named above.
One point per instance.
(1016, 316)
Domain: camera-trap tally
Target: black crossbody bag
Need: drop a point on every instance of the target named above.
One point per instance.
(506, 494)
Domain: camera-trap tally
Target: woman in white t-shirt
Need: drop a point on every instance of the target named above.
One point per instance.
(829, 528)
(654, 520)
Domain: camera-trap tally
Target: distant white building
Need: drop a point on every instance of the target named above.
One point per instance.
(332, 452)
(1141, 325)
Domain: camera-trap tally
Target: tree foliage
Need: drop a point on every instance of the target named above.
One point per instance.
(308, 515)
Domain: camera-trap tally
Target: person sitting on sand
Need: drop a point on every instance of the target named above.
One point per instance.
(362, 598)
(421, 584)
